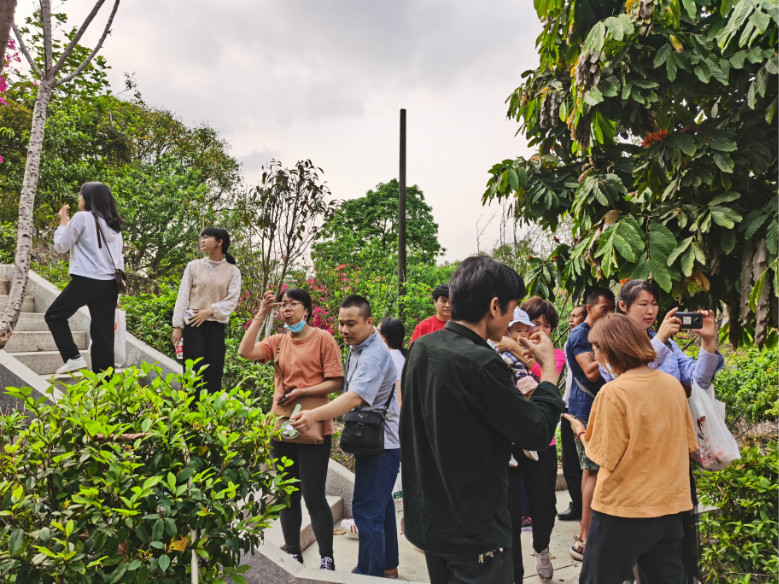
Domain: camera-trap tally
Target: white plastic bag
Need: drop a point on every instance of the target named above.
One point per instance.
(120, 337)
(397, 492)
(716, 446)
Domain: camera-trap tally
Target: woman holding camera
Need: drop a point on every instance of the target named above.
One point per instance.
(640, 433)
(638, 301)
(308, 364)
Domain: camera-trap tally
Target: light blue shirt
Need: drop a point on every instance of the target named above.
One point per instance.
(370, 373)
(672, 360)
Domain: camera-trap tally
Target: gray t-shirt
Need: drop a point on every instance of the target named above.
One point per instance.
(370, 373)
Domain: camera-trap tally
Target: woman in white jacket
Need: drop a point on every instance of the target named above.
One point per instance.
(94, 239)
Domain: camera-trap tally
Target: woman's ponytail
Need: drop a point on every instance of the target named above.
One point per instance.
(220, 235)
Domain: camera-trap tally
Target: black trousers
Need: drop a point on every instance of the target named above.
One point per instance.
(207, 342)
(462, 569)
(100, 297)
(616, 544)
(310, 468)
(540, 478)
(571, 469)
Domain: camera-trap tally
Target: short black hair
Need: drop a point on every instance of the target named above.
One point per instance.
(360, 302)
(301, 296)
(592, 295)
(478, 280)
(394, 332)
(440, 290)
(536, 306)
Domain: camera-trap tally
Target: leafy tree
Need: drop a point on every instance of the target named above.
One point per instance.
(656, 134)
(55, 65)
(279, 218)
(374, 217)
(169, 179)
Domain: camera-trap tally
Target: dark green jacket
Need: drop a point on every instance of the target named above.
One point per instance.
(461, 413)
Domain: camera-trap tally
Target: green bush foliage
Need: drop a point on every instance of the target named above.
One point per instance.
(749, 386)
(738, 540)
(122, 481)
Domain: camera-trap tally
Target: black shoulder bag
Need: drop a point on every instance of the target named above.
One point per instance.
(121, 279)
(364, 430)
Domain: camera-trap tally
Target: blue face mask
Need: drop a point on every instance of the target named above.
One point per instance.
(297, 327)
(610, 369)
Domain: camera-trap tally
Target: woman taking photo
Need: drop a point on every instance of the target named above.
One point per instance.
(208, 295)
(308, 363)
(641, 434)
(638, 301)
(94, 240)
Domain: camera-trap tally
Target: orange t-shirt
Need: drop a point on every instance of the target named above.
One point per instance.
(641, 434)
(304, 362)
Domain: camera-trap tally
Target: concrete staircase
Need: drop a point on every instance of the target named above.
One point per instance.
(31, 342)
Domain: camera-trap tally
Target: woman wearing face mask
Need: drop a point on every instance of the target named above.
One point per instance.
(208, 295)
(640, 433)
(308, 363)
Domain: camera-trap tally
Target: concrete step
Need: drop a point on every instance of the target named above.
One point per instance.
(274, 536)
(29, 341)
(31, 321)
(28, 304)
(5, 286)
(44, 362)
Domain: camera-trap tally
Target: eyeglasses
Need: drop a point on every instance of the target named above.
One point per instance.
(293, 304)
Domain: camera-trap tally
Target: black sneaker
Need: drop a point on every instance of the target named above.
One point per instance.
(570, 514)
(298, 557)
(327, 563)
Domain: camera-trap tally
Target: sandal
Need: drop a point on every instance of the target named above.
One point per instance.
(577, 549)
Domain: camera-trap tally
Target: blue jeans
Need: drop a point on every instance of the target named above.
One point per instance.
(374, 512)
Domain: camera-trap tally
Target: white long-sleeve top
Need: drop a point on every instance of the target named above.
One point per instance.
(208, 284)
(79, 237)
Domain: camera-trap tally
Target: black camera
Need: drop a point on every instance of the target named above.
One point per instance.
(690, 320)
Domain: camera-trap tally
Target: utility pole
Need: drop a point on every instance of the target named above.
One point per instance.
(402, 216)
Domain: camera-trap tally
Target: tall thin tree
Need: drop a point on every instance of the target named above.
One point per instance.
(51, 74)
(7, 8)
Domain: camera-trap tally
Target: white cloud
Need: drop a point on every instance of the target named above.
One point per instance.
(325, 79)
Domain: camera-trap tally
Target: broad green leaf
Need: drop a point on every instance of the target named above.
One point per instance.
(688, 261)
(686, 144)
(624, 248)
(593, 96)
(662, 55)
(727, 240)
(725, 217)
(724, 198)
(771, 236)
(660, 274)
(661, 240)
(690, 8)
(670, 67)
(737, 59)
(609, 86)
(757, 291)
(723, 162)
(16, 541)
(752, 222)
(522, 176)
(513, 180)
(679, 250)
(164, 562)
(723, 144)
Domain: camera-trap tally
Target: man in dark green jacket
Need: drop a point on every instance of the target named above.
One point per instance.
(461, 413)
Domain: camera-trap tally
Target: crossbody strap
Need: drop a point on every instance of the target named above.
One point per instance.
(346, 387)
(100, 243)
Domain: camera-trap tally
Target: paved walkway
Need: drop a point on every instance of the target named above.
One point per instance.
(412, 561)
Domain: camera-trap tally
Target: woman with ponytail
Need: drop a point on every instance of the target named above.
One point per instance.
(208, 294)
(94, 239)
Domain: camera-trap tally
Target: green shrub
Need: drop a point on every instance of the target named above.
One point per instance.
(122, 482)
(149, 317)
(749, 386)
(738, 540)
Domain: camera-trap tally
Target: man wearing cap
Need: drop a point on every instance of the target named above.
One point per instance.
(443, 312)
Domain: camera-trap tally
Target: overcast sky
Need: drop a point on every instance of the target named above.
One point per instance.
(325, 80)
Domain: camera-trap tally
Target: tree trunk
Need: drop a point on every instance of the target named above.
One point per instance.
(7, 8)
(24, 234)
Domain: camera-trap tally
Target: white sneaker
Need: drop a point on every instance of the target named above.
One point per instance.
(513, 462)
(72, 365)
(531, 454)
(544, 567)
